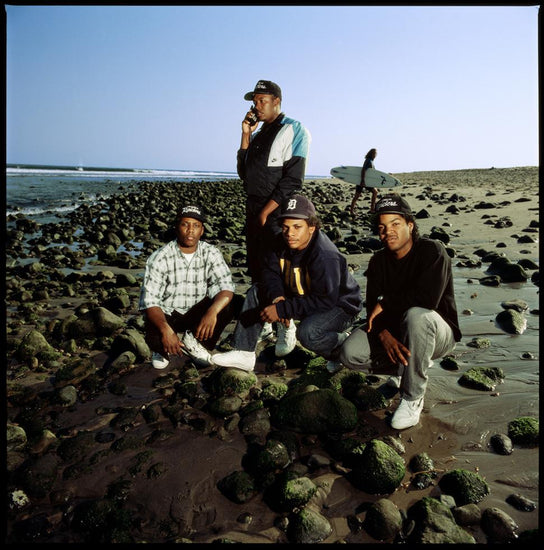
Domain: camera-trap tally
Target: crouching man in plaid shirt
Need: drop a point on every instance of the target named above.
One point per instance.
(187, 289)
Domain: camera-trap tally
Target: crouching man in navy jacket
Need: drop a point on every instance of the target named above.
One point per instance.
(305, 278)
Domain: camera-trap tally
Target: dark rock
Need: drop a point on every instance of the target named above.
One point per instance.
(74, 372)
(422, 214)
(439, 234)
(501, 444)
(383, 520)
(493, 280)
(320, 411)
(449, 363)
(511, 321)
(498, 526)
(97, 322)
(469, 514)
(464, 486)
(434, 523)
(526, 263)
(517, 305)
(521, 503)
(38, 474)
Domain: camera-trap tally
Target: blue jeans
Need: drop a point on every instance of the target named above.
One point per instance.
(320, 332)
(424, 333)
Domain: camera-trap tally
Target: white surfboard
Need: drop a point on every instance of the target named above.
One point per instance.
(373, 178)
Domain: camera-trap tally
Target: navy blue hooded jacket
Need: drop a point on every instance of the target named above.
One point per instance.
(313, 280)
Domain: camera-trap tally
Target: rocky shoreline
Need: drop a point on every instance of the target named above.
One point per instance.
(102, 448)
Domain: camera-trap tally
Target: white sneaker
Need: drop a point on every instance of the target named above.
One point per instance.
(333, 366)
(158, 361)
(287, 339)
(266, 332)
(238, 359)
(407, 414)
(195, 350)
(394, 381)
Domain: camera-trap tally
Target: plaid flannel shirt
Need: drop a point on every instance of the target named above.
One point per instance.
(171, 282)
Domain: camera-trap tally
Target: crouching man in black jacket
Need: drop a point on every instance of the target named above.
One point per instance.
(305, 278)
(411, 310)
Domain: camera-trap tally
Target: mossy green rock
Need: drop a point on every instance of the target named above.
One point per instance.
(289, 491)
(225, 405)
(320, 411)
(224, 381)
(479, 343)
(33, 345)
(274, 391)
(308, 527)
(435, 524)
(273, 456)
(464, 486)
(367, 398)
(238, 486)
(482, 378)
(379, 470)
(524, 430)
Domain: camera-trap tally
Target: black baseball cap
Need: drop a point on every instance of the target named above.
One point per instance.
(298, 207)
(392, 204)
(264, 87)
(191, 211)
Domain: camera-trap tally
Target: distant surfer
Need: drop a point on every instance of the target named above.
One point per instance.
(369, 163)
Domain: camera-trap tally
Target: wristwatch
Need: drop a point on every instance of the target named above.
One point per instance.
(380, 298)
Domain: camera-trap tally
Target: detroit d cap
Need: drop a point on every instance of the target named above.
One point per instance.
(191, 211)
(298, 207)
(392, 204)
(264, 87)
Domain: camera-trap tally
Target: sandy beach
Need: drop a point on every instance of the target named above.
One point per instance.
(480, 210)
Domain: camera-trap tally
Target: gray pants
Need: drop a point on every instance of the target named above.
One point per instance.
(321, 333)
(424, 333)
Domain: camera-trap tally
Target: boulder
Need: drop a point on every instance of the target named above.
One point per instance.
(315, 412)
(378, 470)
(434, 523)
(464, 486)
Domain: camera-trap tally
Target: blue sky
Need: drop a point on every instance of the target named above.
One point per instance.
(432, 88)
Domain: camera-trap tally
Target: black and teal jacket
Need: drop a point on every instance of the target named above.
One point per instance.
(274, 165)
(313, 280)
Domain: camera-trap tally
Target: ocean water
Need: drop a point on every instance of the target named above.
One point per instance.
(47, 193)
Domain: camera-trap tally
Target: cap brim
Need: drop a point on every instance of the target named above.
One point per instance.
(294, 216)
(249, 96)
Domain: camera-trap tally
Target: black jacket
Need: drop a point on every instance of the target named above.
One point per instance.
(421, 278)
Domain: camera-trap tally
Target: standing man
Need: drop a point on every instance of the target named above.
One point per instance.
(369, 163)
(411, 310)
(272, 165)
(305, 277)
(188, 289)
